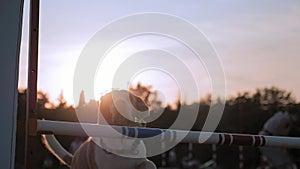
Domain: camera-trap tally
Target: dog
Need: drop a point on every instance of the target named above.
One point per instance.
(278, 125)
(121, 108)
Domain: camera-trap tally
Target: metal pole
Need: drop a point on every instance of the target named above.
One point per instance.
(31, 114)
(94, 130)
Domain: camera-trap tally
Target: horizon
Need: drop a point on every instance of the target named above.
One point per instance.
(257, 43)
(204, 98)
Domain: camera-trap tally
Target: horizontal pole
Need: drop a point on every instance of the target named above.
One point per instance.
(95, 130)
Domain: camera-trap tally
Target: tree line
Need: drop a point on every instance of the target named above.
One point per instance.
(245, 113)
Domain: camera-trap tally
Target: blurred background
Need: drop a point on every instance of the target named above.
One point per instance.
(257, 43)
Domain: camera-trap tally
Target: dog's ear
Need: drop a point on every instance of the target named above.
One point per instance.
(142, 109)
(140, 104)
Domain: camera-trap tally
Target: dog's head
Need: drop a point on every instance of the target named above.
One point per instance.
(279, 124)
(121, 107)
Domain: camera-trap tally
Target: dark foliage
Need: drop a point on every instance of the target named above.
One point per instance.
(245, 113)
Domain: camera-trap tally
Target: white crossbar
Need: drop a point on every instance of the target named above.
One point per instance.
(95, 130)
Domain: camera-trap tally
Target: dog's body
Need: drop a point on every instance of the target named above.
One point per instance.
(91, 156)
(118, 107)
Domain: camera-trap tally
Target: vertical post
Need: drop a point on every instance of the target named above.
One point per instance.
(31, 114)
(11, 15)
(163, 155)
(190, 150)
(214, 155)
(241, 157)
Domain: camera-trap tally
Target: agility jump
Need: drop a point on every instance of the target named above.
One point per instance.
(95, 130)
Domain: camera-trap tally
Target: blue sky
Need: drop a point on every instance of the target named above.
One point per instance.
(257, 41)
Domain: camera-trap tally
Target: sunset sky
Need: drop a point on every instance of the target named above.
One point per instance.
(258, 42)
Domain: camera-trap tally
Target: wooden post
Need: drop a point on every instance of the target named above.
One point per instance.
(31, 114)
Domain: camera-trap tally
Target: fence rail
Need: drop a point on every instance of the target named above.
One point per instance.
(95, 130)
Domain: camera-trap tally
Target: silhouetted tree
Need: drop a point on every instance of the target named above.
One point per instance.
(62, 103)
(43, 101)
(81, 102)
(274, 99)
